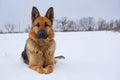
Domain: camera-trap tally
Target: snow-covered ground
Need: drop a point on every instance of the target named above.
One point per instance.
(89, 56)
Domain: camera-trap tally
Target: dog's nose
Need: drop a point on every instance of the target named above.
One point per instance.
(42, 34)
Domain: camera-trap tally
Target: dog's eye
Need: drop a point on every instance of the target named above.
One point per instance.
(38, 24)
(46, 24)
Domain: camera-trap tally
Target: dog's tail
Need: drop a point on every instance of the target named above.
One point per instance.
(58, 58)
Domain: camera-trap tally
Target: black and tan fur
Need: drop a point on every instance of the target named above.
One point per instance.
(40, 45)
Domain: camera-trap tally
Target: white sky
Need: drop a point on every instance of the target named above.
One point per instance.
(19, 11)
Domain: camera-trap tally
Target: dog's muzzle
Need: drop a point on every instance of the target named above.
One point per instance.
(42, 34)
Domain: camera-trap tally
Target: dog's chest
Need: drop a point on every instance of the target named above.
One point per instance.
(41, 52)
(42, 57)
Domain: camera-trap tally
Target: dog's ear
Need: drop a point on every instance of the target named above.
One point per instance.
(50, 14)
(35, 13)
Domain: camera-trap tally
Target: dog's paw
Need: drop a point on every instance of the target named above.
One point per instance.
(49, 69)
(39, 69)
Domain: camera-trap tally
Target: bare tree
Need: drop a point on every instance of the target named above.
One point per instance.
(1, 31)
(10, 27)
(101, 24)
(57, 26)
(61, 24)
(117, 23)
(110, 25)
(91, 23)
(71, 26)
(64, 22)
(86, 24)
(27, 29)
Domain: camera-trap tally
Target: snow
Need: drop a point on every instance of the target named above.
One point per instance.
(89, 56)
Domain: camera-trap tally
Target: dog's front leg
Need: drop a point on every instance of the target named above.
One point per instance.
(51, 60)
(50, 55)
(33, 65)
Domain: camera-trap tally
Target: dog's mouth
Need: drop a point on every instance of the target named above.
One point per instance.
(42, 35)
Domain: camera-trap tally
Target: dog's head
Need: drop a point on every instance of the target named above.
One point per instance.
(42, 25)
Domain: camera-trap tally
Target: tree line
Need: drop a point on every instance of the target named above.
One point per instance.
(66, 25)
(85, 24)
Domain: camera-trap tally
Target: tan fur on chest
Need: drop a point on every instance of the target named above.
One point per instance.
(41, 53)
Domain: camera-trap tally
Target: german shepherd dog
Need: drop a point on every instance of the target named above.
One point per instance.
(40, 45)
